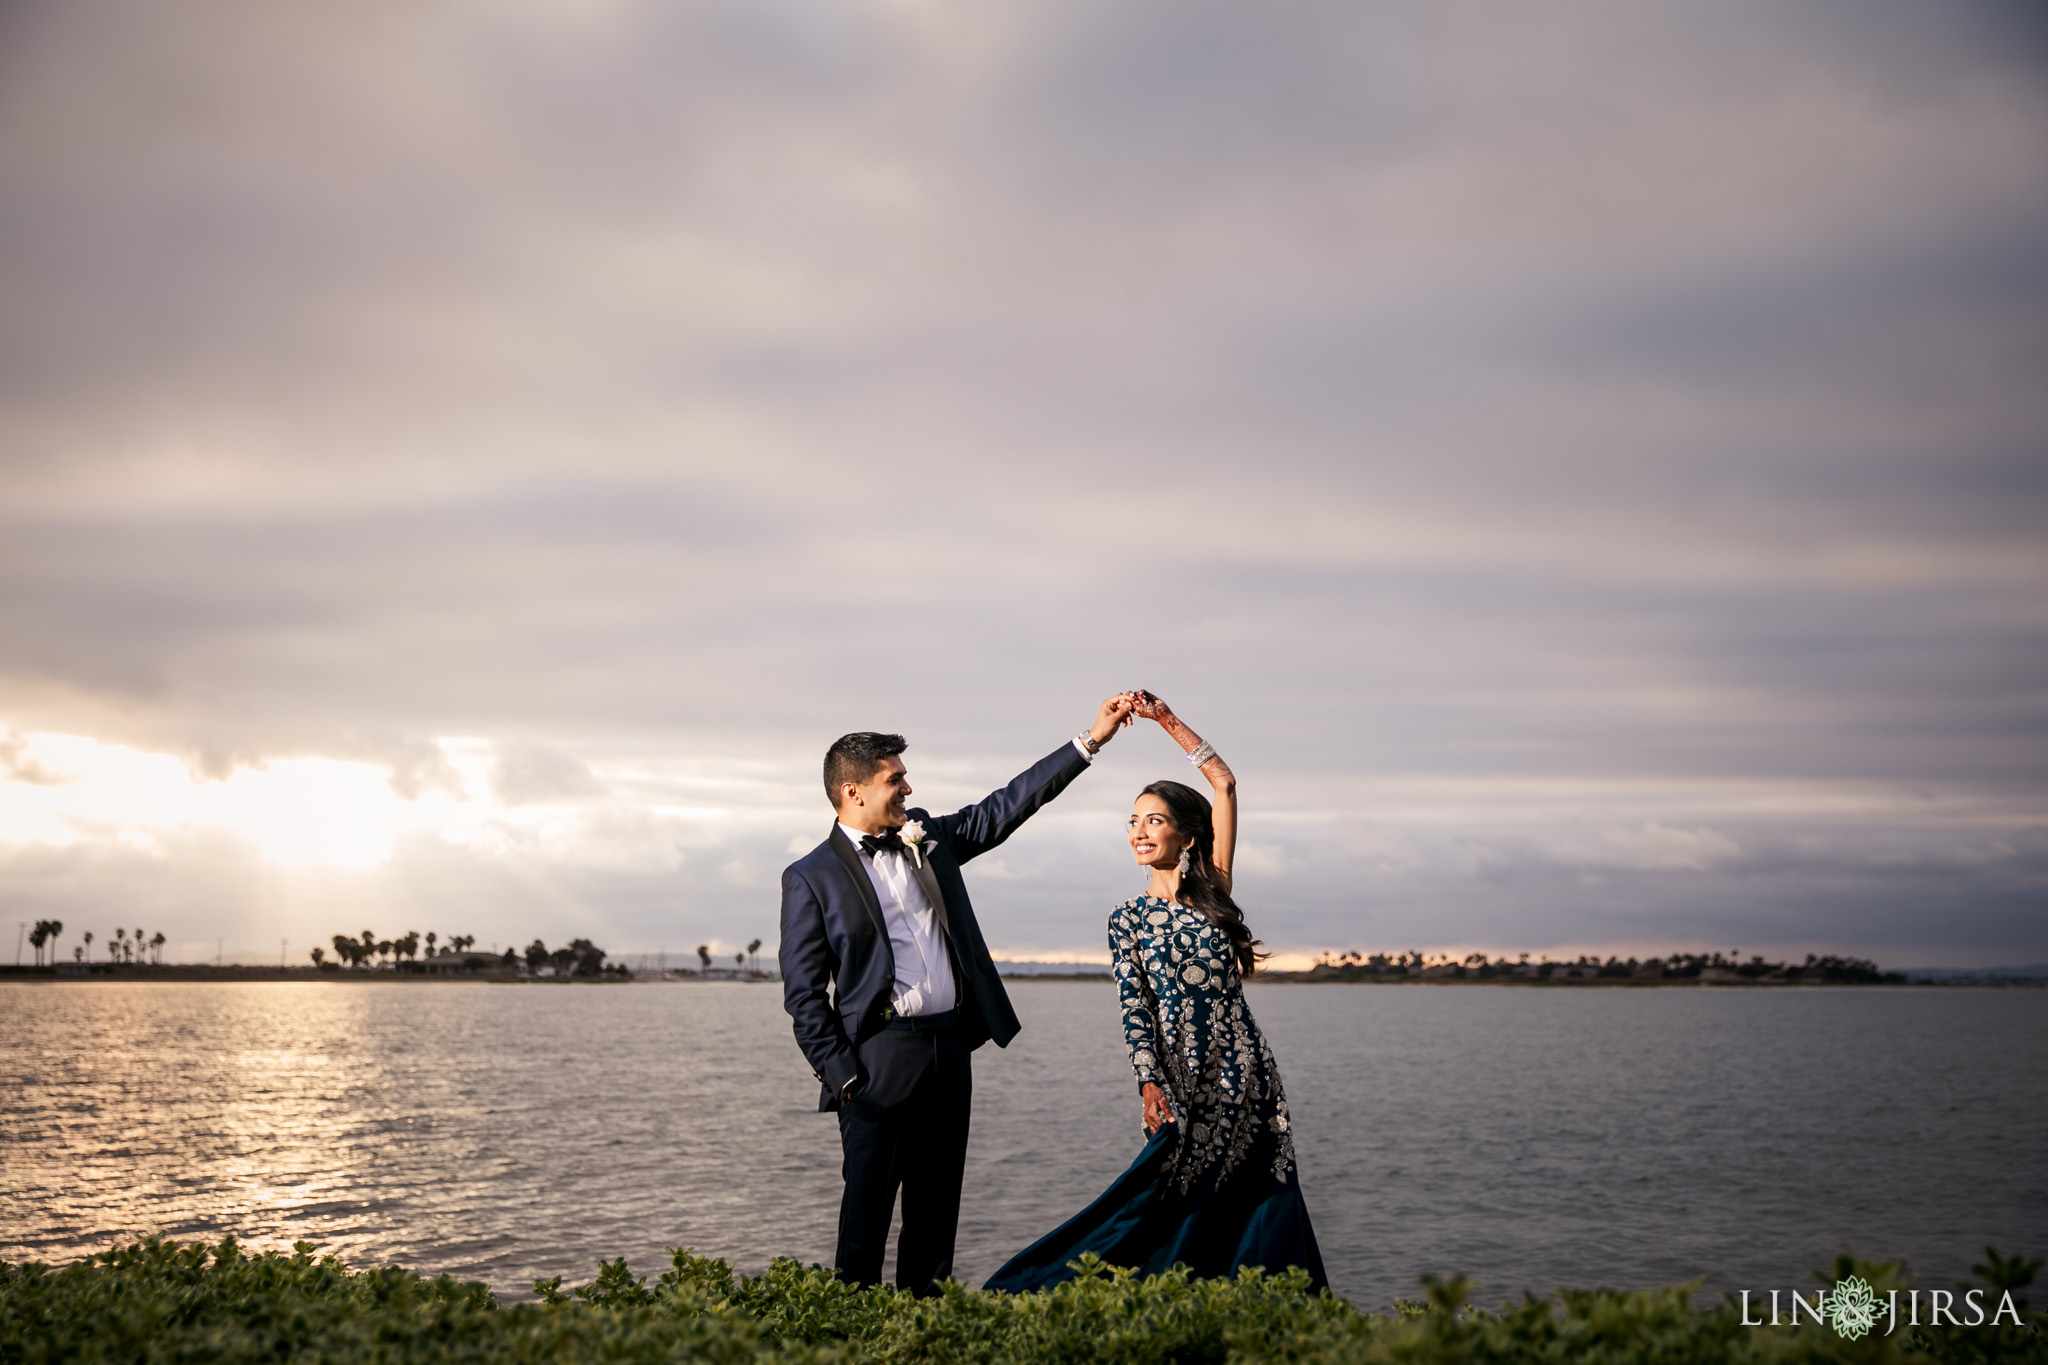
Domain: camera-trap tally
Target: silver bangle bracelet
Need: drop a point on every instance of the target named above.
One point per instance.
(1202, 754)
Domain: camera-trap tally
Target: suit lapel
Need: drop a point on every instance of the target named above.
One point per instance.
(865, 889)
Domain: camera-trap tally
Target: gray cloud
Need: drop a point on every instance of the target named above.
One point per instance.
(1587, 465)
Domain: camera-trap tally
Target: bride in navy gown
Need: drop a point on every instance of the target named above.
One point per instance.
(1215, 1186)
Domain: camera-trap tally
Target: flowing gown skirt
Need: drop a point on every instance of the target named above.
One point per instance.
(1144, 1222)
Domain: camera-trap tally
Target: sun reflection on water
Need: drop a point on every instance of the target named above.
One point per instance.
(419, 1124)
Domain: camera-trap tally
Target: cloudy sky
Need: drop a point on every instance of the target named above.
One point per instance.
(1585, 465)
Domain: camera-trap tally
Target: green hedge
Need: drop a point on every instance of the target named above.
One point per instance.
(165, 1302)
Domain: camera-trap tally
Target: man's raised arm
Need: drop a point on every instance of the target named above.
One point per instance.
(980, 827)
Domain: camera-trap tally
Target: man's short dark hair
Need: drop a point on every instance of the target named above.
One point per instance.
(854, 758)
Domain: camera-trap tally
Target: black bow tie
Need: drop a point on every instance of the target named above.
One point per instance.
(892, 841)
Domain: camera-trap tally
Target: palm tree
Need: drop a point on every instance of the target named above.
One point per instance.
(87, 951)
(431, 936)
(319, 954)
(754, 951)
(119, 946)
(704, 955)
(137, 945)
(46, 932)
(156, 948)
(384, 947)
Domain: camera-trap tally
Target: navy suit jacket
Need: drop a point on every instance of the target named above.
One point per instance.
(838, 974)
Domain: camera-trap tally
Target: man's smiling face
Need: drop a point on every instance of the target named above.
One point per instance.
(876, 804)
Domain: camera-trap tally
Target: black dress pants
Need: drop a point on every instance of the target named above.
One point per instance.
(906, 1128)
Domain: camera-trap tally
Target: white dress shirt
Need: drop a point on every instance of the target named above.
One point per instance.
(924, 974)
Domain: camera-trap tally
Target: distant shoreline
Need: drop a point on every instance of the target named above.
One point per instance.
(1574, 983)
(308, 974)
(130, 974)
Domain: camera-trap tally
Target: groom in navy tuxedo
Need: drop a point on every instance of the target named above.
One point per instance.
(890, 985)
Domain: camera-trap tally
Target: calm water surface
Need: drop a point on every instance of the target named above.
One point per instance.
(1532, 1138)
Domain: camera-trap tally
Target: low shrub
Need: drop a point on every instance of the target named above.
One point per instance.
(161, 1301)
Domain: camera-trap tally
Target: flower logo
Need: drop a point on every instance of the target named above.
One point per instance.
(1852, 1308)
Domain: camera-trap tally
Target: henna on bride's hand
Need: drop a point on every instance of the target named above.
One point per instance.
(1156, 1110)
(1151, 707)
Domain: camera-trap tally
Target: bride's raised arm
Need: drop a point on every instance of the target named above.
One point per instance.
(1221, 780)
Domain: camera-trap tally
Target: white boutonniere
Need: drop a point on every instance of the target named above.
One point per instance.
(912, 835)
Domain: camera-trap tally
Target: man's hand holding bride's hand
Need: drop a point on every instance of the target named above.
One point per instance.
(1115, 711)
(1156, 1109)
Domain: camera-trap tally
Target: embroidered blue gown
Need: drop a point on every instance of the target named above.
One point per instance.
(1217, 1188)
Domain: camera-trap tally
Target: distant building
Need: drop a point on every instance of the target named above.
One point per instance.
(453, 964)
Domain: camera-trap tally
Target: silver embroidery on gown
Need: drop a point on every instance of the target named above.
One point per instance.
(1189, 1032)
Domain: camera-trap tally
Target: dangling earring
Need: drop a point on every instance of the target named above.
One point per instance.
(1183, 862)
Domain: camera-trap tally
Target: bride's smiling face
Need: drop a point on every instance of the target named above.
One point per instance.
(1154, 840)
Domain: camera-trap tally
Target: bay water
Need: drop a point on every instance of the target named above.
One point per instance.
(1530, 1138)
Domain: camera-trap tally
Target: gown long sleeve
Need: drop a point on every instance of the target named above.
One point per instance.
(1134, 997)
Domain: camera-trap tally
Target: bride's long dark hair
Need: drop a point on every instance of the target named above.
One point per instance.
(1199, 889)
